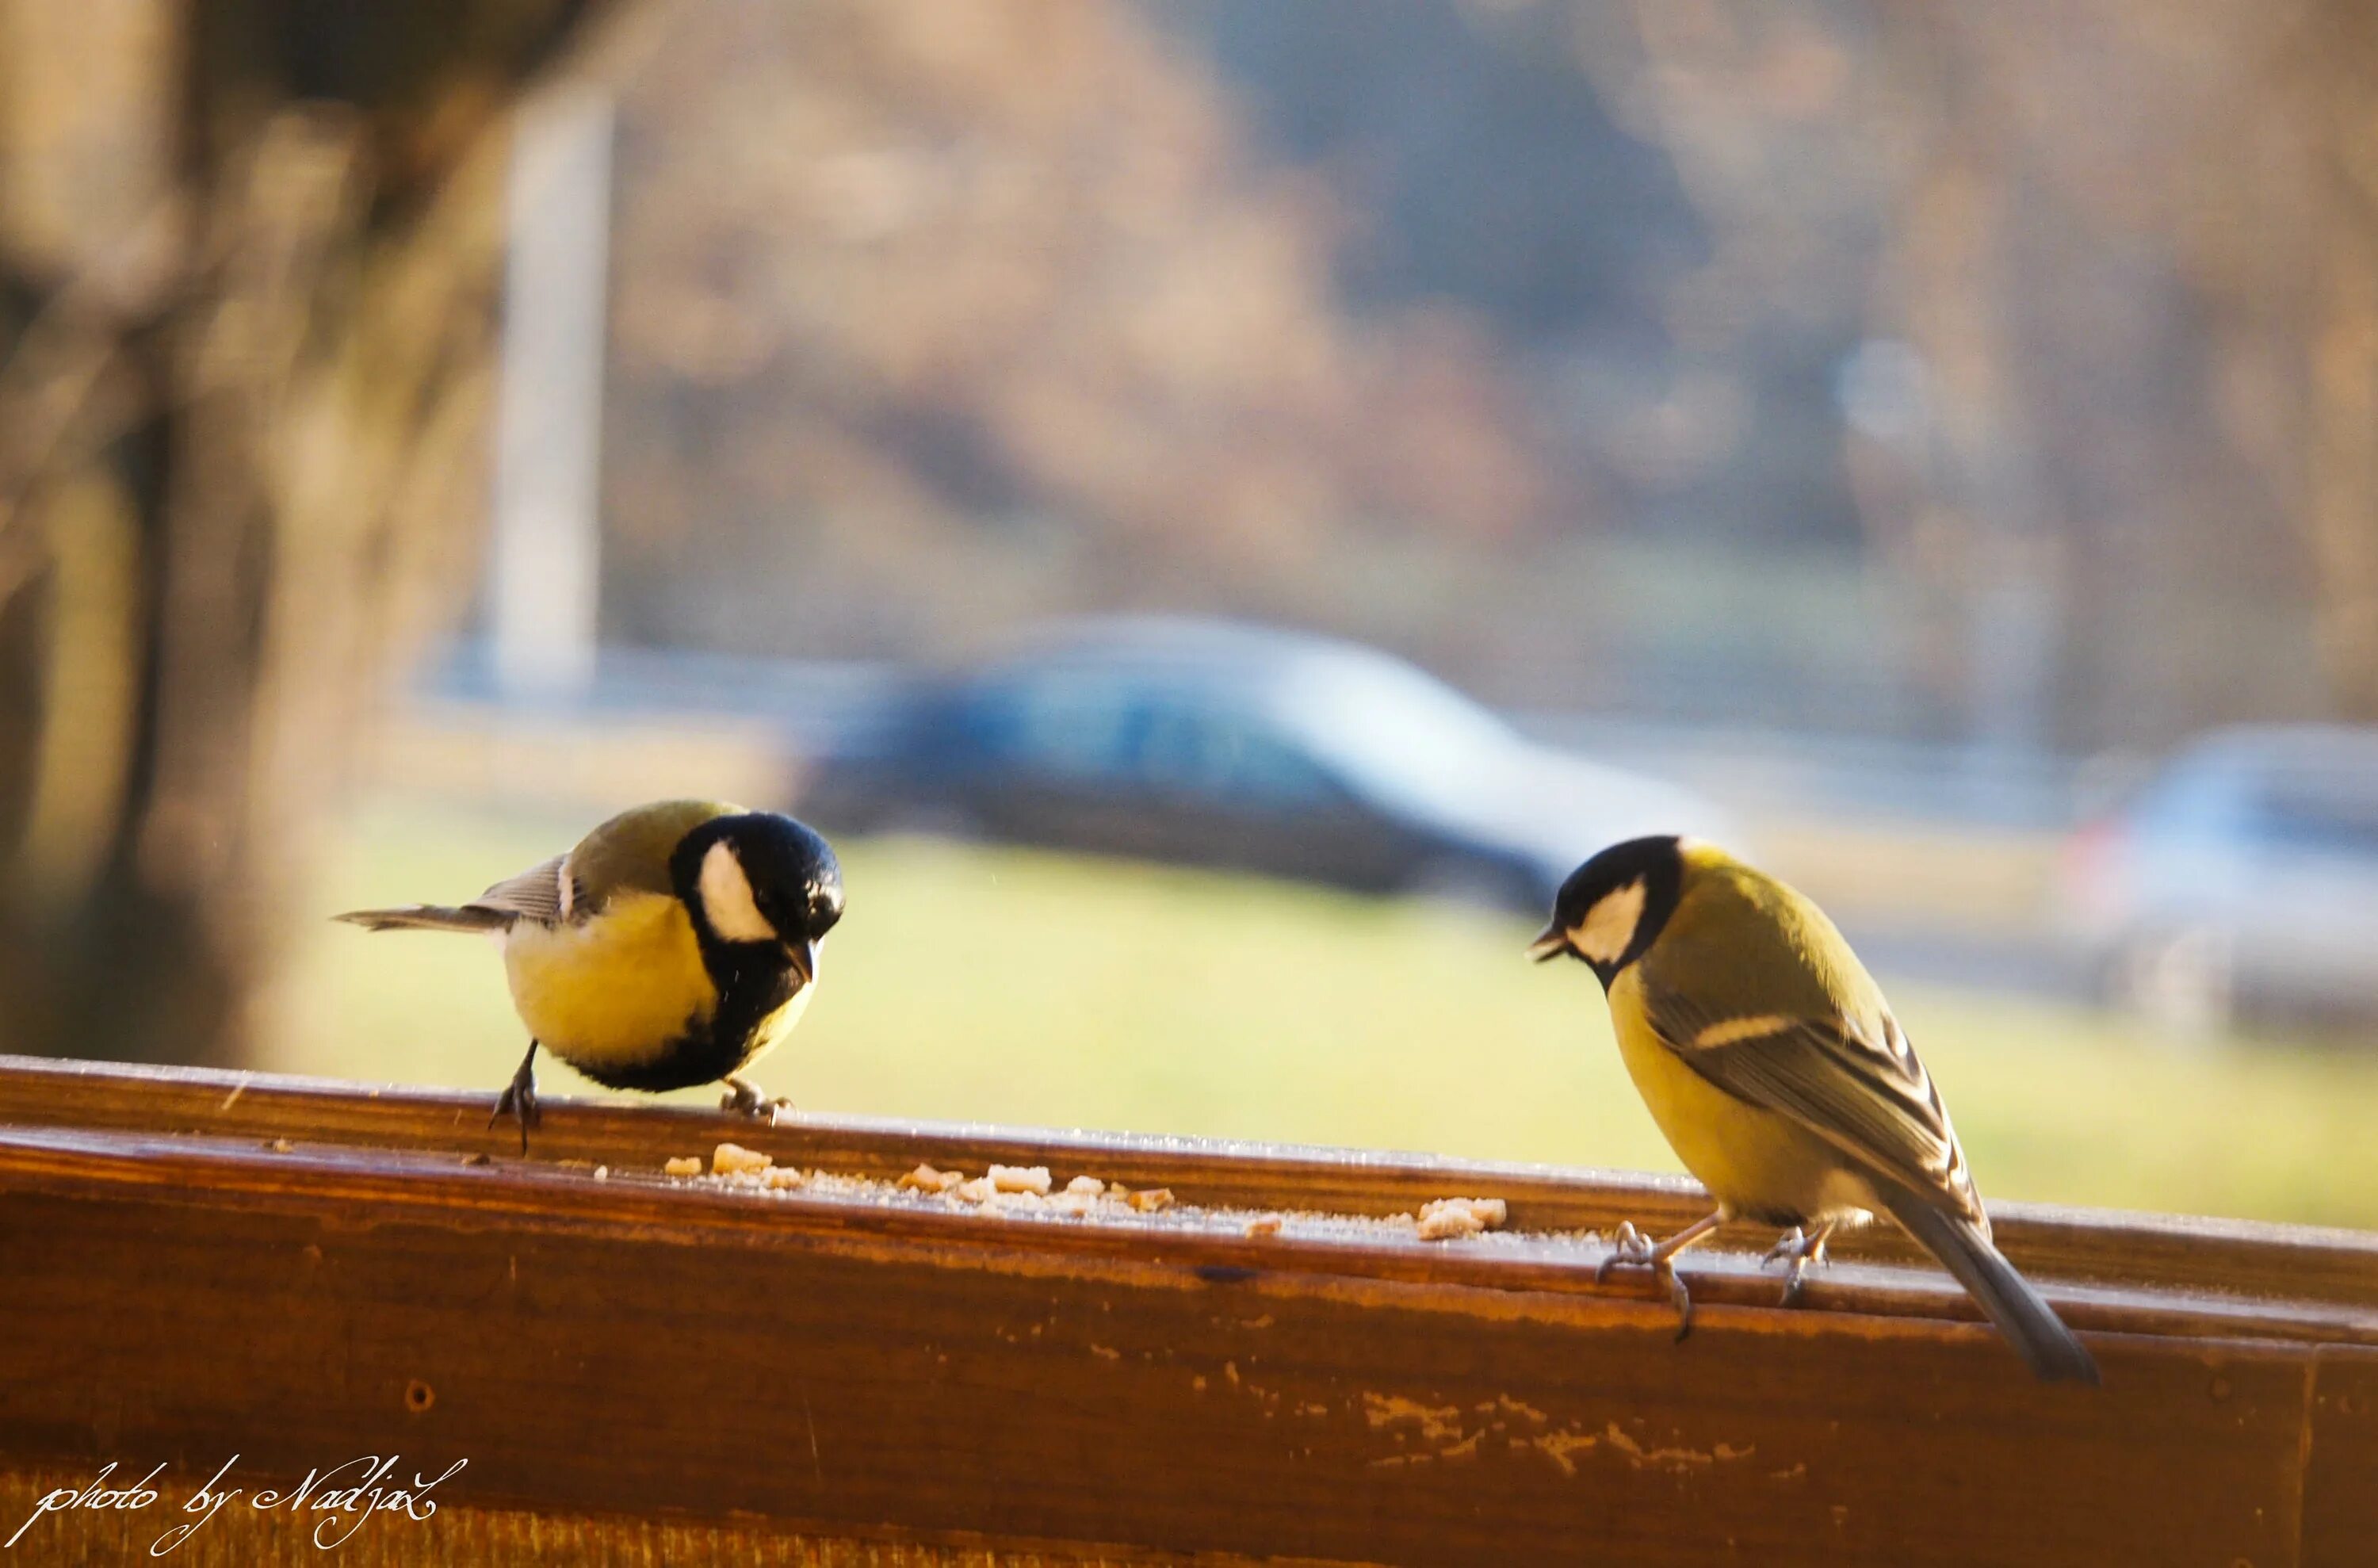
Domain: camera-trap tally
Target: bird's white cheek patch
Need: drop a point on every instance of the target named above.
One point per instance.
(1609, 927)
(726, 899)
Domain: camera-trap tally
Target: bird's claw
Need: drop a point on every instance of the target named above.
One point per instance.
(519, 1101)
(1680, 1299)
(1799, 1251)
(1631, 1246)
(1634, 1249)
(747, 1098)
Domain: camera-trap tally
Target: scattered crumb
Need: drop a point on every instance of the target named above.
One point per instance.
(733, 1159)
(478, 1159)
(280, 1146)
(1020, 1178)
(602, 1173)
(1024, 1194)
(1450, 1217)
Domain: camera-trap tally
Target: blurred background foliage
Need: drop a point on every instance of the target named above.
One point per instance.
(2004, 338)
(1749, 390)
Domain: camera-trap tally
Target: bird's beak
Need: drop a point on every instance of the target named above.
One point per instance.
(1551, 942)
(804, 956)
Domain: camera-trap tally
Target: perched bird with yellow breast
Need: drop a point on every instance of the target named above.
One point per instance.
(1775, 1068)
(675, 946)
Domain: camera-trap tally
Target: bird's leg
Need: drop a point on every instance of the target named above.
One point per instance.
(1801, 1250)
(519, 1098)
(746, 1096)
(1634, 1248)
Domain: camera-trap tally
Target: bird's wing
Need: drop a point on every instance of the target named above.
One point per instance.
(544, 892)
(630, 853)
(1862, 1089)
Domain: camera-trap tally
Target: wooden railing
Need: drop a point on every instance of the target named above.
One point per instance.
(635, 1368)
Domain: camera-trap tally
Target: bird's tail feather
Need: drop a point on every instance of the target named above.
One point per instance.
(429, 917)
(2028, 1323)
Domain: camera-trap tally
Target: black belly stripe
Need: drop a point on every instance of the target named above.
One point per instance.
(751, 988)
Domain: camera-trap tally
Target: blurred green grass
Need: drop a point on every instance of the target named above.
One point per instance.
(974, 984)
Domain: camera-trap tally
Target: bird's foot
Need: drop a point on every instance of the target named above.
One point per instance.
(518, 1100)
(1634, 1249)
(1799, 1250)
(746, 1096)
(1631, 1246)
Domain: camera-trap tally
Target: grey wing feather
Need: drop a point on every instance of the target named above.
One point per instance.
(546, 895)
(543, 894)
(1871, 1099)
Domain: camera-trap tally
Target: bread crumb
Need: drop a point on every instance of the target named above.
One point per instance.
(280, 1146)
(1020, 1178)
(1118, 1192)
(924, 1178)
(1023, 1200)
(733, 1159)
(1089, 1185)
(978, 1191)
(1148, 1201)
(1450, 1217)
(684, 1165)
(1073, 1204)
(1265, 1225)
(602, 1173)
(779, 1178)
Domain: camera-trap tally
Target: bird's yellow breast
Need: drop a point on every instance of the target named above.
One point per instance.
(1755, 1162)
(616, 989)
(776, 1025)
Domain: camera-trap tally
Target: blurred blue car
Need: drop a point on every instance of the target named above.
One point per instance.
(1214, 743)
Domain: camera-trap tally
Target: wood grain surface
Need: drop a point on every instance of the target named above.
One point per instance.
(198, 1265)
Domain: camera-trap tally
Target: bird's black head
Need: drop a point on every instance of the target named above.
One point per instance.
(1611, 907)
(759, 879)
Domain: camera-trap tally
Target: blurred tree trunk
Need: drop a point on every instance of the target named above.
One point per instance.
(2341, 511)
(246, 273)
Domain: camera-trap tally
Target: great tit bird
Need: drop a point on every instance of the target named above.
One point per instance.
(675, 946)
(1775, 1068)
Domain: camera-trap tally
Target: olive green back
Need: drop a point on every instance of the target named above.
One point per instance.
(1742, 943)
(630, 853)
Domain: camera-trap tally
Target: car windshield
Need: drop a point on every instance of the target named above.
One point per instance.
(1395, 731)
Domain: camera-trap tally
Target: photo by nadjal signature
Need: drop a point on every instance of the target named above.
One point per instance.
(348, 1507)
